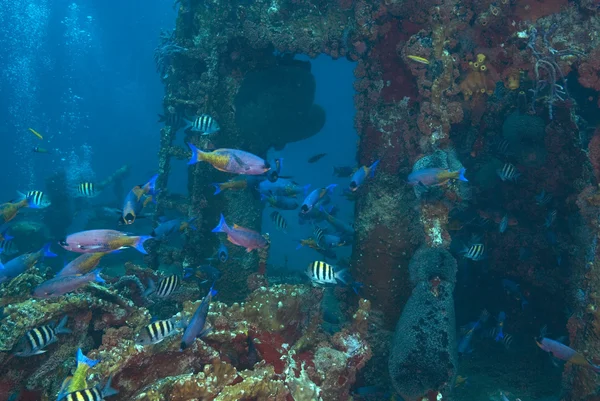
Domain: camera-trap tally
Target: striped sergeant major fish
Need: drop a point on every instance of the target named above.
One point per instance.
(204, 124)
(322, 273)
(508, 172)
(91, 394)
(475, 252)
(8, 247)
(166, 286)
(279, 221)
(78, 380)
(157, 331)
(87, 190)
(319, 233)
(35, 340)
(37, 199)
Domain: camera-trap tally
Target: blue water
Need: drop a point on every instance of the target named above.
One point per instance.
(82, 75)
(339, 139)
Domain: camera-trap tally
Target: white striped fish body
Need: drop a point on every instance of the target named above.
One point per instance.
(87, 190)
(205, 124)
(89, 394)
(508, 172)
(166, 286)
(35, 340)
(8, 247)
(36, 198)
(475, 252)
(323, 273)
(157, 331)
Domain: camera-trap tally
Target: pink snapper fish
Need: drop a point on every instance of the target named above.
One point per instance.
(231, 161)
(93, 241)
(241, 236)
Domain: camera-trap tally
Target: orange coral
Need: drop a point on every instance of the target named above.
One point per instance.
(477, 81)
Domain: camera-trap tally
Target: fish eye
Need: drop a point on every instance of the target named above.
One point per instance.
(129, 218)
(63, 242)
(353, 184)
(304, 208)
(267, 165)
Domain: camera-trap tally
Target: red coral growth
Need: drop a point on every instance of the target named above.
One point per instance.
(532, 10)
(270, 347)
(589, 71)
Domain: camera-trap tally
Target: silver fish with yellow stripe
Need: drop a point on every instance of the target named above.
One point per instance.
(157, 331)
(35, 340)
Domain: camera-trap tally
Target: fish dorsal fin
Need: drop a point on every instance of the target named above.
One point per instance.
(239, 228)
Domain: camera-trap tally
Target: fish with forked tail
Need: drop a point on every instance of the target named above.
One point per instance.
(231, 161)
(241, 236)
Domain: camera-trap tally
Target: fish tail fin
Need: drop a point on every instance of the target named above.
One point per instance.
(212, 292)
(151, 288)
(343, 276)
(373, 168)
(192, 226)
(85, 360)
(97, 277)
(217, 188)
(6, 236)
(356, 286)
(139, 243)
(47, 252)
(188, 124)
(61, 328)
(222, 227)
(305, 189)
(107, 391)
(187, 272)
(152, 185)
(196, 154)
(300, 245)
(330, 188)
(461, 174)
(20, 196)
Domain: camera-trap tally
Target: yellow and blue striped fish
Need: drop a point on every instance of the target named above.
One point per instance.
(157, 331)
(36, 199)
(35, 340)
(475, 252)
(87, 190)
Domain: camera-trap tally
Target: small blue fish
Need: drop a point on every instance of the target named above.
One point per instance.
(311, 200)
(464, 344)
(195, 328)
(166, 228)
(503, 224)
(514, 289)
(361, 174)
(280, 202)
(18, 265)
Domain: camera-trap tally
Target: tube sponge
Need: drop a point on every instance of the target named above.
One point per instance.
(428, 263)
(425, 336)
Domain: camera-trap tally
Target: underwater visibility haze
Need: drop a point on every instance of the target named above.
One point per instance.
(300, 200)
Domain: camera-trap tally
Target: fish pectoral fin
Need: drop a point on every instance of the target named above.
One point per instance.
(38, 352)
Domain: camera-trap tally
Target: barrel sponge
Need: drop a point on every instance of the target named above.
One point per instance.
(427, 263)
(423, 355)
